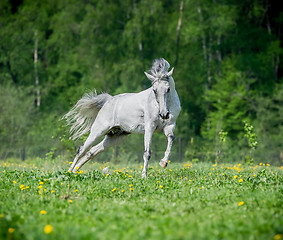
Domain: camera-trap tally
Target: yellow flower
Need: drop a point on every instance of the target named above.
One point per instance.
(131, 189)
(41, 183)
(69, 170)
(43, 212)
(122, 190)
(22, 186)
(235, 176)
(27, 186)
(202, 187)
(160, 186)
(48, 229)
(114, 189)
(80, 172)
(169, 161)
(14, 182)
(130, 185)
(77, 168)
(39, 192)
(260, 164)
(11, 230)
(52, 191)
(267, 164)
(76, 190)
(39, 187)
(241, 180)
(70, 162)
(170, 170)
(70, 200)
(1, 215)
(61, 183)
(277, 236)
(241, 203)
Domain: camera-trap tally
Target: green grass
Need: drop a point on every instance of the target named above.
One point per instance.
(191, 201)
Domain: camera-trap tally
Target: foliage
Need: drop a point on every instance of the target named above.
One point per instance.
(228, 201)
(226, 56)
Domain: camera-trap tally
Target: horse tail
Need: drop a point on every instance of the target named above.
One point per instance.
(83, 113)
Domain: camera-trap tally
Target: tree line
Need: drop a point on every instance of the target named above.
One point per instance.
(226, 55)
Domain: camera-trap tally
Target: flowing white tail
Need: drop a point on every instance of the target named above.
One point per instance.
(82, 115)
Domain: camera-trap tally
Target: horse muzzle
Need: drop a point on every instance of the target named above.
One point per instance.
(164, 116)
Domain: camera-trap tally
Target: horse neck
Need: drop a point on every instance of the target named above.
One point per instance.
(172, 86)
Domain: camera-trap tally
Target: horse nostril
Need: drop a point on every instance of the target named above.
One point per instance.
(164, 116)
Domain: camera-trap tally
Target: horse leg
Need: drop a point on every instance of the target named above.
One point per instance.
(107, 142)
(97, 131)
(147, 150)
(169, 133)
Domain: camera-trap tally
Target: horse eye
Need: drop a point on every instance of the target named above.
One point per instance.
(154, 90)
(168, 90)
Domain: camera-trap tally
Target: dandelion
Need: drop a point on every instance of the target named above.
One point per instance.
(130, 185)
(277, 236)
(260, 164)
(69, 170)
(122, 190)
(114, 189)
(70, 200)
(27, 187)
(52, 191)
(14, 182)
(48, 229)
(160, 186)
(22, 186)
(40, 187)
(202, 187)
(42, 212)
(11, 230)
(131, 189)
(267, 164)
(77, 168)
(235, 176)
(241, 180)
(170, 170)
(70, 162)
(41, 183)
(76, 190)
(240, 203)
(80, 172)
(1, 215)
(61, 183)
(39, 192)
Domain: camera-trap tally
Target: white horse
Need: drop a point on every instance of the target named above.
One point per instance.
(115, 117)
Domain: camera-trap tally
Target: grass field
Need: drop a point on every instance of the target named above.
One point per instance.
(185, 201)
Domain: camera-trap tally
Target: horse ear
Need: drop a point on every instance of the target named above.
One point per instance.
(150, 77)
(170, 73)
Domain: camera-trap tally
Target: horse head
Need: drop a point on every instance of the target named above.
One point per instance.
(159, 77)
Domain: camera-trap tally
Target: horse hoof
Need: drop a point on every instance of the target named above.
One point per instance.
(163, 164)
(144, 175)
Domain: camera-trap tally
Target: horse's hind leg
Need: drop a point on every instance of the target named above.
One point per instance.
(107, 142)
(99, 131)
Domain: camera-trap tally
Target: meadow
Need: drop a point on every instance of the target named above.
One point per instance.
(39, 199)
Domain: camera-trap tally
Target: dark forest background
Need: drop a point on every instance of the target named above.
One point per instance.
(227, 56)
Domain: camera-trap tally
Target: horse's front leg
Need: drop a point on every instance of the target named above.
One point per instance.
(169, 133)
(147, 149)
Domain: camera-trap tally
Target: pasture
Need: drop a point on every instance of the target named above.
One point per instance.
(39, 199)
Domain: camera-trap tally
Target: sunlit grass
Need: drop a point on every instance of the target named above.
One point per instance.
(41, 200)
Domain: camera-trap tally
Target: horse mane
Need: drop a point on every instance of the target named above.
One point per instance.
(159, 67)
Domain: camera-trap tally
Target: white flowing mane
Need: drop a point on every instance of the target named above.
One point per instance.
(159, 67)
